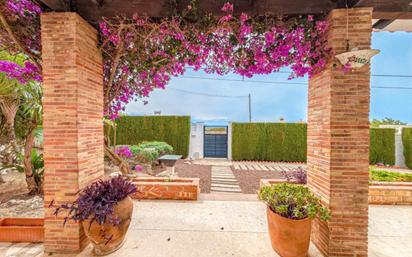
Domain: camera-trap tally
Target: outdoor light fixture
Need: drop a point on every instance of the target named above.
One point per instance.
(354, 58)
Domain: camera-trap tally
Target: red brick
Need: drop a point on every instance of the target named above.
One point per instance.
(338, 140)
(73, 114)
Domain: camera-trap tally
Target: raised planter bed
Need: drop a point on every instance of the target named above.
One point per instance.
(166, 189)
(22, 230)
(390, 193)
(383, 193)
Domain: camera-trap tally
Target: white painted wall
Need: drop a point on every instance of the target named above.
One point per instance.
(229, 141)
(196, 141)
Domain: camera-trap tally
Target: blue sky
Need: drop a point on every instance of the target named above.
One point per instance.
(270, 101)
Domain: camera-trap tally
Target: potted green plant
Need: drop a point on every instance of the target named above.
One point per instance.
(290, 211)
(104, 208)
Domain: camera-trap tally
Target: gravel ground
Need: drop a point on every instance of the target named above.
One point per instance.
(22, 206)
(204, 172)
(249, 179)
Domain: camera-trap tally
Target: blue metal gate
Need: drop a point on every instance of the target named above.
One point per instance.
(215, 142)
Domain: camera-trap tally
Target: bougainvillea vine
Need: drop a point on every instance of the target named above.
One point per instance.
(142, 53)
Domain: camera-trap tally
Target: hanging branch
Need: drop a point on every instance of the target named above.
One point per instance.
(9, 31)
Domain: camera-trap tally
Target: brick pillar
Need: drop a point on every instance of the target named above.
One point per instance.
(73, 120)
(338, 140)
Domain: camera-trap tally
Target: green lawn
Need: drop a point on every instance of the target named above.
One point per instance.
(389, 176)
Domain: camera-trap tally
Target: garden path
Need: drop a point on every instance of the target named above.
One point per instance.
(226, 228)
(223, 180)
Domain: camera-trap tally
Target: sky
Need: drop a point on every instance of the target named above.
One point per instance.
(218, 99)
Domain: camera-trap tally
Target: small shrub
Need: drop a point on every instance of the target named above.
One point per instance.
(388, 176)
(161, 147)
(293, 201)
(147, 155)
(97, 201)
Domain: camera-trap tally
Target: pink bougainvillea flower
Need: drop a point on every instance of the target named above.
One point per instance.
(138, 168)
(227, 7)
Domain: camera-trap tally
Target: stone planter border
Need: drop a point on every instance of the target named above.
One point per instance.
(390, 193)
(161, 188)
(382, 193)
(29, 230)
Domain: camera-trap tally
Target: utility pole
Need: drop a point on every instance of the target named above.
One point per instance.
(250, 109)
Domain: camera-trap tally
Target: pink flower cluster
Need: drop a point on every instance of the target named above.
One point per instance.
(24, 8)
(124, 151)
(24, 18)
(142, 54)
(23, 74)
(153, 52)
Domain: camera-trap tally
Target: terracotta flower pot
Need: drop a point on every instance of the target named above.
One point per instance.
(99, 234)
(289, 238)
(22, 230)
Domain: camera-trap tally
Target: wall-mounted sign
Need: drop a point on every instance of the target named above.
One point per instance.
(216, 130)
(357, 58)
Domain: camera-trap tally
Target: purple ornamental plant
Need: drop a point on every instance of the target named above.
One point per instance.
(124, 151)
(97, 201)
(298, 175)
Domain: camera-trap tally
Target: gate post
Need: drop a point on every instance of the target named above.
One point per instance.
(338, 140)
(73, 120)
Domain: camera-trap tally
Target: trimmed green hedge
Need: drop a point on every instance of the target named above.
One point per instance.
(287, 142)
(382, 146)
(269, 141)
(407, 146)
(174, 130)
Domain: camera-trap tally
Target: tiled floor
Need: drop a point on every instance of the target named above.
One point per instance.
(226, 229)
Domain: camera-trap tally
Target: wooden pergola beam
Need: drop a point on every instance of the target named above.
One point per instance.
(94, 10)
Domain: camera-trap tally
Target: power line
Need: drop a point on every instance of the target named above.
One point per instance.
(241, 80)
(373, 75)
(408, 88)
(210, 95)
(279, 83)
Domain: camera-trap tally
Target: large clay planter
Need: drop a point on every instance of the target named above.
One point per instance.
(98, 234)
(289, 238)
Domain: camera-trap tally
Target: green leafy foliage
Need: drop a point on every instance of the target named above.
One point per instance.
(149, 152)
(161, 147)
(293, 201)
(269, 141)
(386, 121)
(287, 142)
(407, 146)
(382, 146)
(173, 130)
(37, 163)
(147, 155)
(389, 176)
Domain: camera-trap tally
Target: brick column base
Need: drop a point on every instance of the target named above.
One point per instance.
(338, 140)
(73, 120)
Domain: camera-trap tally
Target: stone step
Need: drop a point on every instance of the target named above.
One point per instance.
(225, 186)
(225, 180)
(222, 176)
(230, 190)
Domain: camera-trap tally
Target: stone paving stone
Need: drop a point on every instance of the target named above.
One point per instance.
(223, 180)
(243, 167)
(199, 225)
